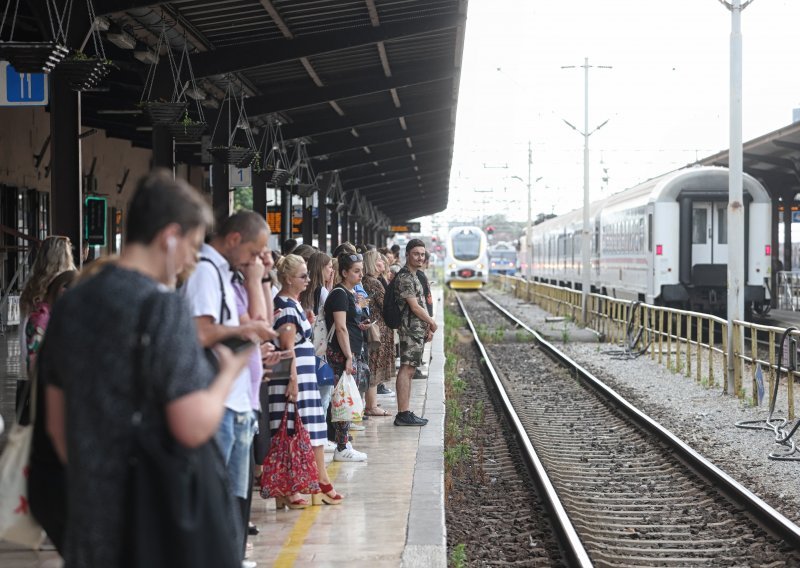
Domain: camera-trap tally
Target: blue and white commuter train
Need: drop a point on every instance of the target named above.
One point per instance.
(502, 259)
(466, 265)
(664, 241)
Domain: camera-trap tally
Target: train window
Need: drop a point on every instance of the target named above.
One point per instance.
(722, 225)
(466, 246)
(699, 226)
(650, 232)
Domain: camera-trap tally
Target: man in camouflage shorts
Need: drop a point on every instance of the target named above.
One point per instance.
(416, 328)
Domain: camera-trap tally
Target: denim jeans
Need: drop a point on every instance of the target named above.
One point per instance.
(235, 440)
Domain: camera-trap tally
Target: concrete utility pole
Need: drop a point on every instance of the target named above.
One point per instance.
(736, 228)
(528, 251)
(586, 276)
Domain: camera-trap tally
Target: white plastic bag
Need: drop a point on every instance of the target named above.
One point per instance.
(16, 522)
(346, 403)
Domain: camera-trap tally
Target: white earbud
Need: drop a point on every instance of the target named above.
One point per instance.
(171, 243)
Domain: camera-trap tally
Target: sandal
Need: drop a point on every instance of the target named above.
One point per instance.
(377, 412)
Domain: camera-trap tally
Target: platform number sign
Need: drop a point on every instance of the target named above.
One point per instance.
(22, 89)
(240, 177)
(94, 221)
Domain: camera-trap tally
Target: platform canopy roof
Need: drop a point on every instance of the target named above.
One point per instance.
(773, 159)
(369, 86)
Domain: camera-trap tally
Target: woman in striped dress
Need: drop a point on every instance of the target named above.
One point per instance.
(294, 333)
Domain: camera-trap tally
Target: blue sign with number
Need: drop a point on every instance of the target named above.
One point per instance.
(22, 89)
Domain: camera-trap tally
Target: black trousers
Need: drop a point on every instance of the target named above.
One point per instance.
(47, 497)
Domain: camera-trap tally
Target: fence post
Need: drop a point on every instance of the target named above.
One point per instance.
(754, 352)
(669, 339)
(678, 340)
(711, 351)
(725, 361)
(771, 361)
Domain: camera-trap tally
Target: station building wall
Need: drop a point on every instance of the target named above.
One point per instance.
(25, 187)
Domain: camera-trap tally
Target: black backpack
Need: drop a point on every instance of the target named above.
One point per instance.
(392, 313)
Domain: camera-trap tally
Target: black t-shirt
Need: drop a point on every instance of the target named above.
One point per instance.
(426, 289)
(341, 300)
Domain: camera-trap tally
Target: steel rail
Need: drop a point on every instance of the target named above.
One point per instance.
(771, 519)
(566, 534)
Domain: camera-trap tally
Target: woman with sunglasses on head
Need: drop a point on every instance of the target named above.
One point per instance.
(300, 385)
(345, 349)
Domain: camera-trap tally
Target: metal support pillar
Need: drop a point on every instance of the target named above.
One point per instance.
(308, 220)
(345, 226)
(353, 231)
(322, 219)
(260, 193)
(334, 228)
(286, 215)
(775, 257)
(788, 201)
(66, 203)
(220, 192)
(163, 148)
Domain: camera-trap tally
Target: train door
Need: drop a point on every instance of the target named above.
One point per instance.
(709, 233)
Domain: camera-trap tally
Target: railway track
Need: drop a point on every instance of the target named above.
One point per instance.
(621, 490)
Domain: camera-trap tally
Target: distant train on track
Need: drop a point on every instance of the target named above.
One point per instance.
(664, 241)
(502, 259)
(466, 265)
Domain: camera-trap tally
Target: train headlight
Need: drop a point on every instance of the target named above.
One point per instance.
(480, 266)
(451, 265)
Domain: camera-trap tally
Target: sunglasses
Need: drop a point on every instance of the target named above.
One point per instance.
(303, 276)
(355, 257)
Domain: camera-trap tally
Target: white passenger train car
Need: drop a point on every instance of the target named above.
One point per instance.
(466, 265)
(664, 241)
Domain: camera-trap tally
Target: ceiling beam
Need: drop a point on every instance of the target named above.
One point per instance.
(102, 7)
(433, 160)
(319, 152)
(286, 101)
(345, 162)
(268, 52)
(317, 126)
(429, 177)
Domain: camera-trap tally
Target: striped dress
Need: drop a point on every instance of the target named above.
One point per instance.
(309, 403)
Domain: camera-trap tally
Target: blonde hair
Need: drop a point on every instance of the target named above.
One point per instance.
(287, 265)
(371, 258)
(337, 278)
(53, 258)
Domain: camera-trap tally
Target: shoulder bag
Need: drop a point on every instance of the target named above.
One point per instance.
(179, 509)
(16, 521)
(290, 466)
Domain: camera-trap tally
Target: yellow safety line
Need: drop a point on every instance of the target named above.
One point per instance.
(294, 542)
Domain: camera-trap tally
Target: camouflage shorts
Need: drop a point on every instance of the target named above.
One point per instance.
(411, 348)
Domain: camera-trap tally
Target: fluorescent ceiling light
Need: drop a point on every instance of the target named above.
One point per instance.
(146, 55)
(121, 39)
(101, 23)
(195, 92)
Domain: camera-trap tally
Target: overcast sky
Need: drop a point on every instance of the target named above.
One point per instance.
(666, 97)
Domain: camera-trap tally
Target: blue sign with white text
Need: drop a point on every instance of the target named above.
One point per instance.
(22, 89)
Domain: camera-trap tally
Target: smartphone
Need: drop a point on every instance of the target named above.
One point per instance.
(288, 354)
(237, 344)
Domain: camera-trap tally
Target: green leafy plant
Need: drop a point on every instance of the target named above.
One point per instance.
(458, 556)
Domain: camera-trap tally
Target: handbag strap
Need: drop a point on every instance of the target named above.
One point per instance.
(142, 389)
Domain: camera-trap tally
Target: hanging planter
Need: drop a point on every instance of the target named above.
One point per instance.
(162, 112)
(187, 130)
(275, 163)
(84, 73)
(27, 57)
(238, 156)
(34, 56)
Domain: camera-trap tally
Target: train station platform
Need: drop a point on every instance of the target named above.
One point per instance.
(393, 513)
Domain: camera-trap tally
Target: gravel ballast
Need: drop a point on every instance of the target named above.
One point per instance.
(704, 418)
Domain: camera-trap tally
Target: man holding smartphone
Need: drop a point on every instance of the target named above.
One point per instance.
(238, 242)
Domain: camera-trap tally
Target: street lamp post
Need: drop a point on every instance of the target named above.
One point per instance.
(736, 228)
(586, 280)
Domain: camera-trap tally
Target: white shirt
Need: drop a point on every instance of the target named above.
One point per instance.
(202, 290)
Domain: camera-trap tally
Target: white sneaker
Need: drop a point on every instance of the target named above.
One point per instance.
(349, 455)
(357, 427)
(249, 564)
(330, 447)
